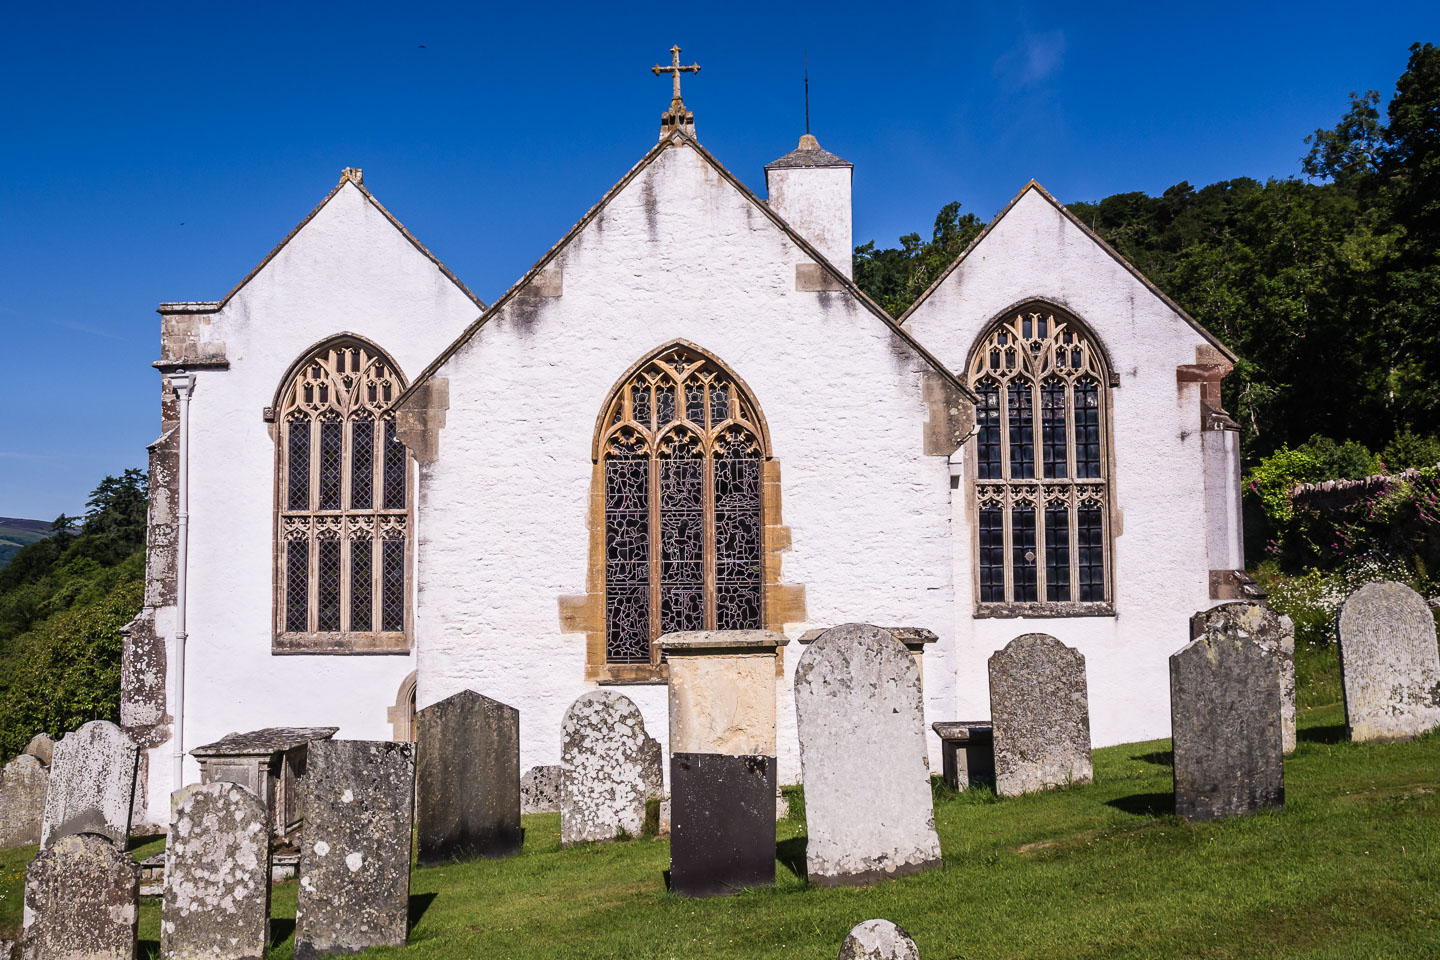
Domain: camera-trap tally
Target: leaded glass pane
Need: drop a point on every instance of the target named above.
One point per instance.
(297, 586)
(738, 538)
(1020, 407)
(719, 403)
(627, 560)
(682, 545)
(332, 445)
(362, 464)
(695, 402)
(1057, 553)
(327, 586)
(664, 404)
(988, 462)
(394, 469)
(392, 585)
(362, 593)
(1023, 569)
(640, 404)
(1087, 429)
(1090, 550)
(992, 555)
(297, 474)
(1052, 428)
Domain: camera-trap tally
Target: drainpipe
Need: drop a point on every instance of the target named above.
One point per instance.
(183, 384)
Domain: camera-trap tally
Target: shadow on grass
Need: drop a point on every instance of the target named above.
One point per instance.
(419, 903)
(281, 929)
(1161, 758)
(147, 949)
(1331, 733)
(1145, 804)
(791, 854)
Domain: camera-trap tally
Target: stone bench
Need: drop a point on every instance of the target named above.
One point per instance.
(967, 749)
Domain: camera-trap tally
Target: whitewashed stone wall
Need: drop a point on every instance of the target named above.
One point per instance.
(1161, 568)
(347, 270)
(816, 202)
(678, 254)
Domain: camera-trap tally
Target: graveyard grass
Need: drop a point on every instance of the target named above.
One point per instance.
(1349, 869)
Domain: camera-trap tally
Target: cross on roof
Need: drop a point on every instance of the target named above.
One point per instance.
(675, 70)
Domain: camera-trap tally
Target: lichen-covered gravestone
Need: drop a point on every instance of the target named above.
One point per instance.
(1225, 725)
(611, 767)
(1273, 630)
(92, 784)
(878, 940)
(81, 901)
(23, 784)
(467, 774)
(1389, 663)
(863, 759)
(540, 789)
(41, 747)
(217, 875)
(355, 859)
(1040, 711)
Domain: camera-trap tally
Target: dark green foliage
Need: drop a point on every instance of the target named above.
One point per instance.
(894, 278)
(1408, 451)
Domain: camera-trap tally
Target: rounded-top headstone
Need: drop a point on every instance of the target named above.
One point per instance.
(540, 789)
(1389, 663)
(1040, 710)
(1272, 630)
(92, 784)
(23, 785)
(82, 900)
(41, 747)
(610, 765)
(878, 940)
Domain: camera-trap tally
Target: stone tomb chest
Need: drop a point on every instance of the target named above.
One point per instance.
(271, 764)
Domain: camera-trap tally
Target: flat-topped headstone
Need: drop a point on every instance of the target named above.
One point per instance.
(217, 875)
(1225, 725)
(92, 784)
(23, 783)
(967, 752)
(1389, 663)
(1040, 712)
(41, 747)
(878, 940)
(540, 789)
(355, 862)
(467, 775)
(1273, 630)
(81, 901)
(611, 768)
(863, 761)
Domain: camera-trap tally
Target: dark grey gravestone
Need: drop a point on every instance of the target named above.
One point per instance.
(1389, 663)
(81, 901)
(217, 875)
(1040, 712)
(1271, 629)
(92, 784)
(540, 789)
(355, 859)
(611, 768)
(878, 940)
(1225, 725)
(722, 835)
(467, 779)
(23, 784)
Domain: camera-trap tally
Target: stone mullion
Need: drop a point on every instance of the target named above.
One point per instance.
(707, 546)
(653, 544)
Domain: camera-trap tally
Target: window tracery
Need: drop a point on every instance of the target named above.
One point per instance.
(683, 473)
(1041, 477)
(344, 518)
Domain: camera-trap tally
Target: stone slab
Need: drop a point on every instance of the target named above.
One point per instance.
(1274, 630)
(878, 940)
(92, 784)
(722, 699)
(611, 767)
(23, 785)
(1225, 725)
(722, 833)
(355, 862)
(467, 779)
(540, 789)
(217, 875)
(82, 901)
(263, 742)
(1040, 711)
(860, 715)
(41, 747)
(967, 753)
(1389, 663)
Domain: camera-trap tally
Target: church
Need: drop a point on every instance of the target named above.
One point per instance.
(371, 490)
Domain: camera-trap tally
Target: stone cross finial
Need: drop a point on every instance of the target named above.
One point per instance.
(675, 69)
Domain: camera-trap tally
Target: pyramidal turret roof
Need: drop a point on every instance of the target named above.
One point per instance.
(808, 154)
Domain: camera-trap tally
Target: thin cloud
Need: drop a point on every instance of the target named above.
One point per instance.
(86, 328)
(1034, 59)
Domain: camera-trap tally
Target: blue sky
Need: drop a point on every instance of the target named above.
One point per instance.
(153, 152)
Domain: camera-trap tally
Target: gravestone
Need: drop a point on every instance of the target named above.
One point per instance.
(611, 767)
(1273, 630)
(41, 747)
(1040, 713)
(722, 759)
(1225, 726)
(863, 759)
(878, 940)
(1389, 663)
(967, 752)
(540, 789)
(217, 875)
(81, 901)
(355, 861)
(467, 776)
(92, 784)
(23, 784)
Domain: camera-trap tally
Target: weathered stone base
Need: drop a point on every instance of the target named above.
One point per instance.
(723, 834)
(866, 877)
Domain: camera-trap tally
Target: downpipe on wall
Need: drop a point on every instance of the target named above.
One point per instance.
(183, 384)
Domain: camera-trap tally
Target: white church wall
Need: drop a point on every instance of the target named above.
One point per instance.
(677, 254)
(347, 270)
(815, 201)
(1161, 572)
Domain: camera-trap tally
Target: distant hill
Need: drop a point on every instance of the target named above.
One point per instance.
(16, 533)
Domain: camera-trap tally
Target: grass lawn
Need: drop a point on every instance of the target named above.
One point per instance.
(1350, 869)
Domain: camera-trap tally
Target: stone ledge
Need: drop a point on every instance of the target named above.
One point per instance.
(716, 641)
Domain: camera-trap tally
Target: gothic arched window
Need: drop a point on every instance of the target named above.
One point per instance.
(343, 537)
(683, 451)
(1042, 467)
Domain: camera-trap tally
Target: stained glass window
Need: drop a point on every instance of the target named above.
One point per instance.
(344, 477)
(689, 557)
(1041, 535)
